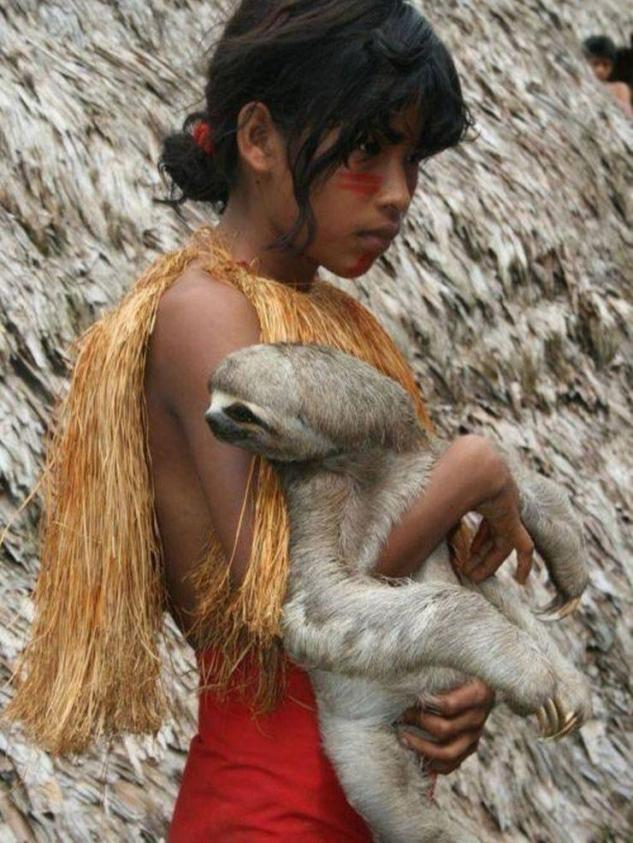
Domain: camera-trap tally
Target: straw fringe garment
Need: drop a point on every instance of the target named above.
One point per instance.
(92, 666)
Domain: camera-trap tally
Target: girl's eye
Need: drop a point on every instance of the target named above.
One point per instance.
(369, 147)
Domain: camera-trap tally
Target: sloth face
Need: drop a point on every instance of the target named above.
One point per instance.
(292, 402)
(259, 429)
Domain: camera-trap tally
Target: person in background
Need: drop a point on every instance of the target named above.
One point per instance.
(601, 53)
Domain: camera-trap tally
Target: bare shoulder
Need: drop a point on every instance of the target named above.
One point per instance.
(621, 91)
(197, 295)
(619, 87)
(200, 319)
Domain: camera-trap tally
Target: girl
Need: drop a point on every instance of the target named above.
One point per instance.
(318, 115)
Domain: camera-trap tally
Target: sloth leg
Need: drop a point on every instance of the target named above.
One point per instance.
(571, 705)
(386, 784)
(358, 627)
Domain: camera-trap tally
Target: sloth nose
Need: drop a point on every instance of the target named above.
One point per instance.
(221, 425)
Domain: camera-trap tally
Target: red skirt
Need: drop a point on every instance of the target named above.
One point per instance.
(262, 779)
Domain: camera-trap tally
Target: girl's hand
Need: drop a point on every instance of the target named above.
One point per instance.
(454, 724)
(500, 532)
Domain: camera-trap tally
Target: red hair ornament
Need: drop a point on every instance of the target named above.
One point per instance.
(203, 136)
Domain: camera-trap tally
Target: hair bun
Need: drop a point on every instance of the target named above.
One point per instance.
(190, 159)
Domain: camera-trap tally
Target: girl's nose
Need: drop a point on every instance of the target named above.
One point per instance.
(398, 187)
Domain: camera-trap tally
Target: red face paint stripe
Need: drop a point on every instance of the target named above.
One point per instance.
(364, 183)
(352, 185)
(365, 188)
(361, 178)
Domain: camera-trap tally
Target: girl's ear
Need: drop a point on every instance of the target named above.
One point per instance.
(259, 142)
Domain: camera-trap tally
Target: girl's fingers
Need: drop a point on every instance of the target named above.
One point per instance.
(473, 694)
(443, 730)
(525, 556)
(450, 753)
(447, 729)
(524, 568)
(479, 547)
(491, 561)
(481, 537)
(477, 558)
(444, 769)
(491, 547)
(473, 697)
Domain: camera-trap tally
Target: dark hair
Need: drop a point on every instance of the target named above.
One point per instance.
(623, 68)
(316, 65)
(600, 47)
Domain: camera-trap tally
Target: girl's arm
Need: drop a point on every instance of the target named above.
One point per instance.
(471, 476)
(199, 322)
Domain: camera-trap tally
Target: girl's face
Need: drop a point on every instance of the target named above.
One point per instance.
(360, 208)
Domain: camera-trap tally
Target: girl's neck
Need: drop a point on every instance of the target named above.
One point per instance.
(246, 239)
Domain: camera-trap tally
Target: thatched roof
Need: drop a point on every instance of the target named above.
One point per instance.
(511, 290)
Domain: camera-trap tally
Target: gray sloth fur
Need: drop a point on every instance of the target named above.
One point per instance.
(352, 457)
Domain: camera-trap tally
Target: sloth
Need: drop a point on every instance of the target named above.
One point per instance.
(352, 457)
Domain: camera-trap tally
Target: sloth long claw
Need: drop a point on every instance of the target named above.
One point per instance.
(542, 721)
(548, 719)
(572, 723)
(557, 609)
(553, 714)
(555, 722)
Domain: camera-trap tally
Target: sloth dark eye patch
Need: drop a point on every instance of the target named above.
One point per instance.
(242, 415)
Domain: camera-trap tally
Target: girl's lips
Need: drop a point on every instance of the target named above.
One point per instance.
(376, 242)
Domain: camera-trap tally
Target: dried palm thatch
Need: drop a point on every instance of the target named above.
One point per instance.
(510, 290)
